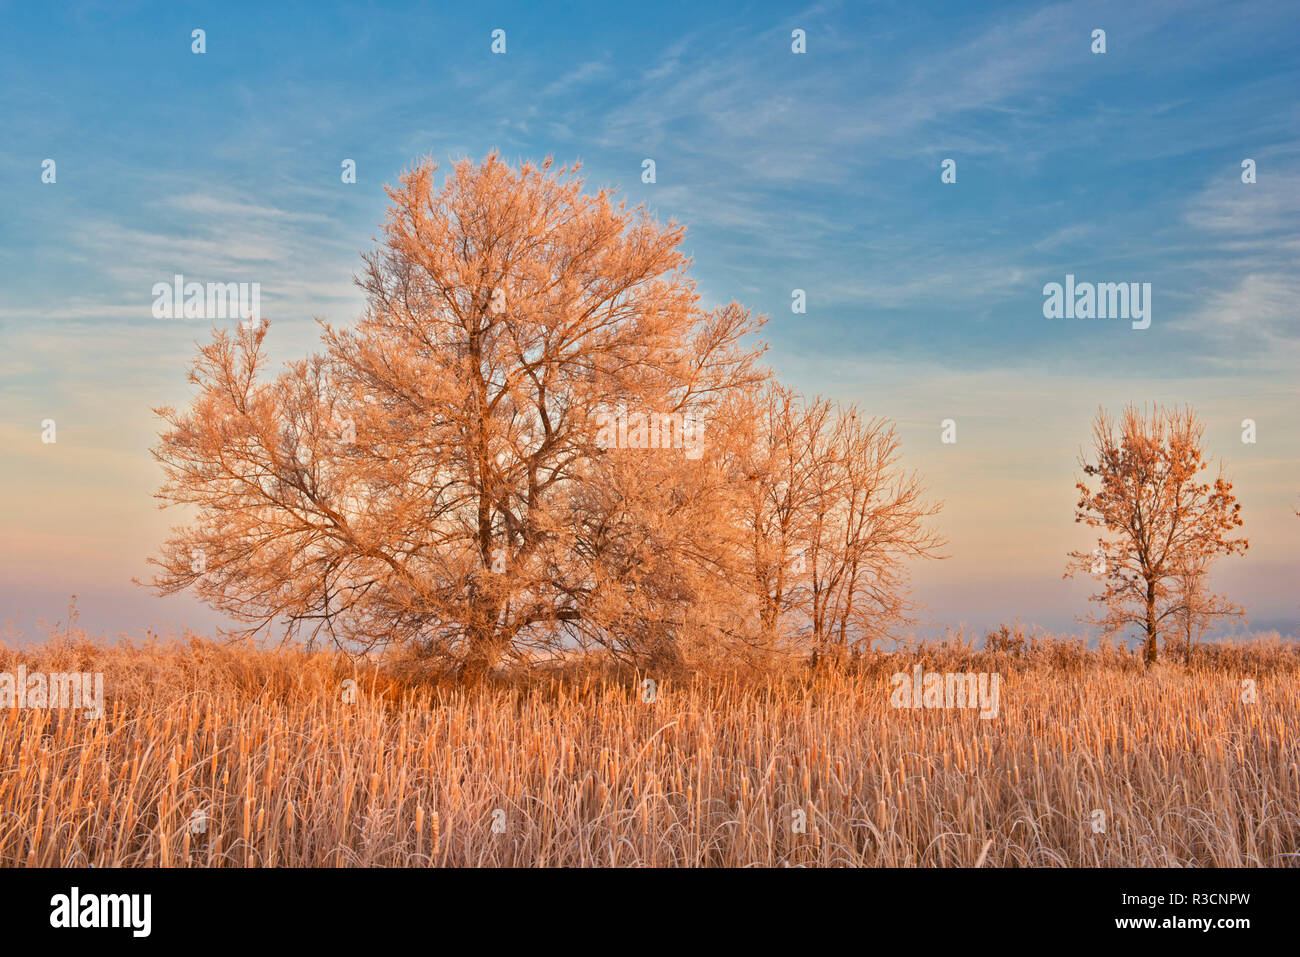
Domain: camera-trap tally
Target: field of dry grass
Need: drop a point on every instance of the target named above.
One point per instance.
(213, 756)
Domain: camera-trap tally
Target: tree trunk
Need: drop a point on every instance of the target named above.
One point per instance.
(483, 641)
(1151, 622)
(479, 661)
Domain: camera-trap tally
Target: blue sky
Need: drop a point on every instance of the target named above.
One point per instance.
(818, 171)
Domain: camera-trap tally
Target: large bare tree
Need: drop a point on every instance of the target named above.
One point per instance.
(519, 443)
(1161, 521)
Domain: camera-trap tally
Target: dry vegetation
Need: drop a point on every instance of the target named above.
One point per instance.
(710, 773)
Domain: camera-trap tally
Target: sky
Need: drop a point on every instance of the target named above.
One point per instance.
(820, 171)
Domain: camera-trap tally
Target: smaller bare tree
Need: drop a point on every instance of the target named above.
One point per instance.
(830, 517)
(1159, 515)
(1196, 609)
